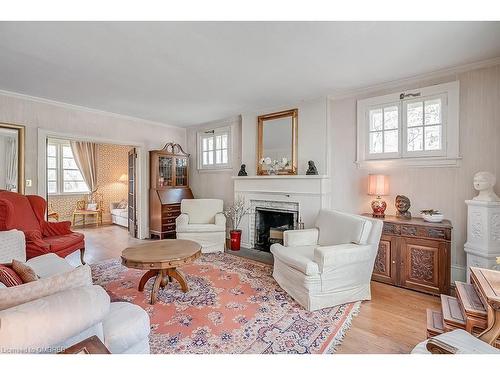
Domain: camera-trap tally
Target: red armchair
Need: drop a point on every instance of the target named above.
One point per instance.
(27, 214)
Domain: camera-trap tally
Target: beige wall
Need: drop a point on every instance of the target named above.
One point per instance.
(312, 135)
(443, 188)
(219, 183)
(112, 162)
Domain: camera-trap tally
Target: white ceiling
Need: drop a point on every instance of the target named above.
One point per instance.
(185, 73)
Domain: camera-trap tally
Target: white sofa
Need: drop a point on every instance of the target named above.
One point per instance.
(119, 216)
(63, 308)
(331, 264)
(202, 221)
(13, 246)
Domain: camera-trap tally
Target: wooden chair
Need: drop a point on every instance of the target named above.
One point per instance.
(82, 209)
(52, 214)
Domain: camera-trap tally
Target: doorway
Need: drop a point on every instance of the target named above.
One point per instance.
(110, 200)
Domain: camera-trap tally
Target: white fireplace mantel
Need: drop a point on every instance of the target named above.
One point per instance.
(287, 184)
(282, 177)
(309, 193)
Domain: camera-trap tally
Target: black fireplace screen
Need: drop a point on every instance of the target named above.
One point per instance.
(270, 225)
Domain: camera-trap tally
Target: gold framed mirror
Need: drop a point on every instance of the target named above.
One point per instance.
(277, 142)
(12, 157)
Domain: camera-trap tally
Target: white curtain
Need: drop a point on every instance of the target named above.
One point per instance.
(85, 154)
(11, 164)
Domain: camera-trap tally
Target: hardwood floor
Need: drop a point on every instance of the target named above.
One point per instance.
(394, 321)
(103, 243)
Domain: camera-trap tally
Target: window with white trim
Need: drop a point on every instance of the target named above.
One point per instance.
(423, 120)
(383, 130)
(416, 127)
(63, 175)
(214, 148)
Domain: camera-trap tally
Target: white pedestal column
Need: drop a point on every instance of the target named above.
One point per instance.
(483, 234)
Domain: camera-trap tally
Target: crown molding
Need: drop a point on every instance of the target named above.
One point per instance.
(216, 123)
(65, 105)
(342, 94)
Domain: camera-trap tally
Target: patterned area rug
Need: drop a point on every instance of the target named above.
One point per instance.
(233, 306)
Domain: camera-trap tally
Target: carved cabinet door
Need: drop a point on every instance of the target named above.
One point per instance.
(421, 261)
(385, 267)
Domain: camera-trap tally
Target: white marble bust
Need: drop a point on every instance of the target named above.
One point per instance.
(484, 182)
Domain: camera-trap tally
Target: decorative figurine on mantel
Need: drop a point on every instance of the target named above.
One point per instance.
(243, 171)
(484, 182)
(402, 206)
(312, 168)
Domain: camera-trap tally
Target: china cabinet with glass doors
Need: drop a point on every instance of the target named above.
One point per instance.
(169, 171)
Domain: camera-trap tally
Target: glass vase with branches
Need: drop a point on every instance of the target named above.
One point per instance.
(236, 211)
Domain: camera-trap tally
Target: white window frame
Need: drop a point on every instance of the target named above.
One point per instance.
(447, 156)
(213, 133)
(385, 155)
(444, 135)
(59, 143)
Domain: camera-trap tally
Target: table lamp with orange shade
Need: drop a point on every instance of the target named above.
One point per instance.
(378, 185)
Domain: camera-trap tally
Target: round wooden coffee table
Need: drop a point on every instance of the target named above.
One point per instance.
(161, 259)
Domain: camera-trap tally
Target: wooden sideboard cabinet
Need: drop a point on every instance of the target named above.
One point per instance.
(169, 172)
(415, 254)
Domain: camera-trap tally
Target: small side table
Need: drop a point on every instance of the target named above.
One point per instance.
(92, 345)
(160, 259)
(53, 215)
(84, 213)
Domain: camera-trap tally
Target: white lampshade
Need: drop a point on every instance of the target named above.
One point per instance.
(378, 184)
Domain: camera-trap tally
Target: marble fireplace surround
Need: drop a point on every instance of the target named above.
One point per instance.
(255, 204)
(305, 194)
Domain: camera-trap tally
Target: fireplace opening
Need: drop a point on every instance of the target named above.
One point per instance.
(270, 225)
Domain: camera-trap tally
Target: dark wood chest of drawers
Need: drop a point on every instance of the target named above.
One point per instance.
(415, 254)
(168, 215)
(164, 209)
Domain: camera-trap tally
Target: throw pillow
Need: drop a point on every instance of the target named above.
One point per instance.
(122, 204)
(9, 277)
(17, 295)
(24, 271)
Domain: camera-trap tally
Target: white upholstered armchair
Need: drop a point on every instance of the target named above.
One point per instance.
(331, 264)
(202, 221)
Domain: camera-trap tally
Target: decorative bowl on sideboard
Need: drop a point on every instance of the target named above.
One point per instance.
(433, 218)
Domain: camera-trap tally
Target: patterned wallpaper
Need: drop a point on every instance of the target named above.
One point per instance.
(112, 163)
